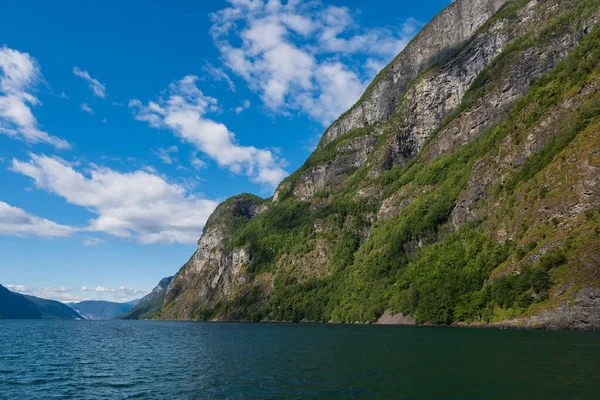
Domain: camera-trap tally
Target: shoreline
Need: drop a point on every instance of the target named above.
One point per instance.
(519, 324)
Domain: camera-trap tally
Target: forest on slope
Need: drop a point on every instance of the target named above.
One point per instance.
(465, 194)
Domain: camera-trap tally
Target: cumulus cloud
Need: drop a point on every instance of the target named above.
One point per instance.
(297, 55)
(17, 222)
(141, 205)
(19, 74)
(184, 113)
(95, 86)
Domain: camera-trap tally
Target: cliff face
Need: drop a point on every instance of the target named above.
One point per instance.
(442, 38)
(215, 272)
(461, 188)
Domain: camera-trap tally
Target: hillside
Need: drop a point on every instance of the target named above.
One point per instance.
(462, 188)
(101, 310)
(149, 306)
(17, 306)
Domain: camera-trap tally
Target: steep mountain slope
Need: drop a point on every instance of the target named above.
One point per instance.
(101, 310)
(148, 306)
(17, 306)
(14, 305)
(461, 188)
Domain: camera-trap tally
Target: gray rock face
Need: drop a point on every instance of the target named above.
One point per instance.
(436, 43)
(213, 273)
(398, 201)
(514, 82)
(162, 286)
(583, 314)
(395, 319)
(496, 169)
(353, 155)
(439, 92)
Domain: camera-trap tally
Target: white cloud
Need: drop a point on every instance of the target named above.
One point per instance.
(17, 288)
(184, 113)
(66, 294)
(92, 241)
(165, 154)
(60, 293)
(140, 204)
(87, 108)
(16, 222)
(121, 289)
(104, 120)
(244, 106)
(96, 87)
(19, 74)
(295, 55)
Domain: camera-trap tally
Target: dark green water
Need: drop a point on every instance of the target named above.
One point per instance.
(170, 360)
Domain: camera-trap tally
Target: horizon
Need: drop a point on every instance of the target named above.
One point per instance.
(300, 199)
(154, 126)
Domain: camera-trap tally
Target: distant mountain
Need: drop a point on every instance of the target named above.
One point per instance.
(102, 310)
(149, 306)
(18, 306)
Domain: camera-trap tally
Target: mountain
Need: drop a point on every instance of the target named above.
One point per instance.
(461, 188)
(102, 310)
(149, 306)
(17, 306)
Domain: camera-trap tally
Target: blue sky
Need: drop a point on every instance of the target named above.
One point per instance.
(122, 126)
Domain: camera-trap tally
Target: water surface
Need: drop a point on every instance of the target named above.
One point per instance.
(179, 360)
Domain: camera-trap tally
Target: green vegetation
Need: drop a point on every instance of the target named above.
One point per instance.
(519, 291)
(417, 262)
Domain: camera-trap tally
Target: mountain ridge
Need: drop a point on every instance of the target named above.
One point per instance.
(461, 191)
(148, 306)
(19, 306)
(101, 310)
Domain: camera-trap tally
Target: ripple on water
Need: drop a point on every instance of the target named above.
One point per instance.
(150, 360)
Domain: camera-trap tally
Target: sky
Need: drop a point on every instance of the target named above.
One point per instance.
(123, 126)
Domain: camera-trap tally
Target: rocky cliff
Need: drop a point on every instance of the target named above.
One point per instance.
(461, 188)
(438, 42)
